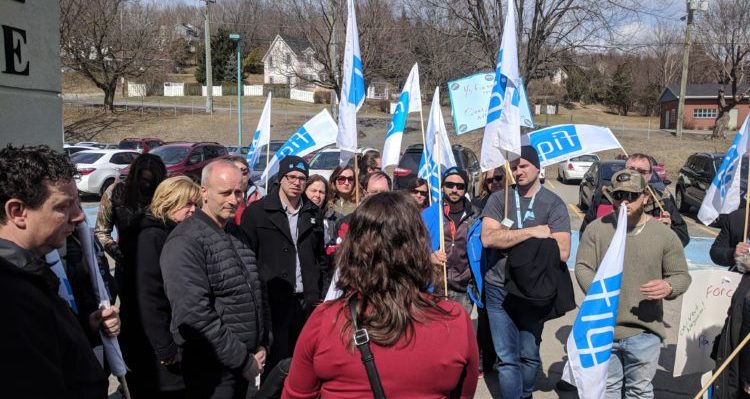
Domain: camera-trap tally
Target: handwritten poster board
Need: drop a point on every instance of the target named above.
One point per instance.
(470, 99)
(704, 309)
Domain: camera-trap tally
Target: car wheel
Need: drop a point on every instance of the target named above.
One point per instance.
(581, 204)
(679, 200)
(106, 185)
(564, 178)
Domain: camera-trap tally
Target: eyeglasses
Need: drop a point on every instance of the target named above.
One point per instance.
(419, 192)
(451, 185)
(625, 195)
(299, 179)
(641, 171)
(494, 179)
(345, 179)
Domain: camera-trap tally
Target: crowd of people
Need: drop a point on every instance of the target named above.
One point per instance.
(347, 293)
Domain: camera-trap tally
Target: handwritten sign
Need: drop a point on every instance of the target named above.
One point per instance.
(704, 308)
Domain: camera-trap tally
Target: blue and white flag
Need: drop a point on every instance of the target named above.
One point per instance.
(262, 136)
(352, 90)
(315, 134)
(590, 342)
(410, 101)
(469, 98)
(64, 290)
(723, 195)
(558, 143)
(438, 155)
(503, 130)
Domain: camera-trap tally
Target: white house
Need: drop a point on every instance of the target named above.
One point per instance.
(291, 61)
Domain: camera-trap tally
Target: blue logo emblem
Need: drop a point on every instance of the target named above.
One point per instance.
(356, 83)
(300, 141)
(725, 175)
(555, 141)
(594, 328)
(399, 116)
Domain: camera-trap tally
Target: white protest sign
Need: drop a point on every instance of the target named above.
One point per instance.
(704, 308)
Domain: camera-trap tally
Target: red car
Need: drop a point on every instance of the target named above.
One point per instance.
(142, 145)
(185, 158)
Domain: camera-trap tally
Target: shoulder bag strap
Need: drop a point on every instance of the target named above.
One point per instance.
(362, 340)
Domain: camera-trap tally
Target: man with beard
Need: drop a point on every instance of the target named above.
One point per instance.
(460, 215)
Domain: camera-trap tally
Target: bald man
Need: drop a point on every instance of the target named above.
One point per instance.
(220, 317)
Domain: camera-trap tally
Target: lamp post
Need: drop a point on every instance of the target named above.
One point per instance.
(236, 38)
(692, 6)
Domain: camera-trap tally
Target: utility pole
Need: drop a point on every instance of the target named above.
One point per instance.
(332, 52)
(209, 67)
(692, 6)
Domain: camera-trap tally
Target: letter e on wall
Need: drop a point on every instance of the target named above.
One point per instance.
(14, 43)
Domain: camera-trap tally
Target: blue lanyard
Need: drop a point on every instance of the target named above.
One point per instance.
(529, 211)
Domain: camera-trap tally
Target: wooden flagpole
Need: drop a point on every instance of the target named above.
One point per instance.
(747, 200)
(424, 152)
(723, 366)
(268, 151)
(440, 210)
(356, 178)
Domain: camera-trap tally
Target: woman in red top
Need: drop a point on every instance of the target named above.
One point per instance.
(424, 347)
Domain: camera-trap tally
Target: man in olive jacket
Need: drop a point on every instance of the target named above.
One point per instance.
(285, 231)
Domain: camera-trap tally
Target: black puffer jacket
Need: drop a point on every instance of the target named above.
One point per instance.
(219, 310)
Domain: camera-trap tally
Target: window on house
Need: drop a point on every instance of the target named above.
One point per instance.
(289, 59)
(704, 113)
(270, 62)
(308, 59)
(270, 79)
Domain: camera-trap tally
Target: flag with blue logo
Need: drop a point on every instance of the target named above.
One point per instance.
(503, 130)
(438, 155)
(315, 134)
(723, 195)
(558, 143)
(410, 101)
(262, 136)
(352, 89)
(590, 342)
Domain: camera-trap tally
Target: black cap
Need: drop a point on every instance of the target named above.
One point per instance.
(456, 171)
(291, 163)
(529, 154)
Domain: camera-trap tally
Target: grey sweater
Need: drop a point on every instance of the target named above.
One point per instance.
(651, 253)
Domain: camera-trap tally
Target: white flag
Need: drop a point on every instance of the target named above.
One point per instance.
(723, 195)
(262, 135)
(352, 90)
(315, 134)
(558, 143)
(590, 342)
(503, 130)
(410, 101)
(437, 149)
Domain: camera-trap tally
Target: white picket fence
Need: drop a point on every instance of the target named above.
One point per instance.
(174, 89)
(300, 95)
(217, 91)
(136, 89)
(253, 90)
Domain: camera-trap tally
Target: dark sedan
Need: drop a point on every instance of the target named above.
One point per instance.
(596, 178)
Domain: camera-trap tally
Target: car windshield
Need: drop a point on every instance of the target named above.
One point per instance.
(129, 145)
(410, 161)
(328, 160)
(585, 158)
(609, 169)
(275, 146)
(85, 157)
(717, 162)
(170, 155)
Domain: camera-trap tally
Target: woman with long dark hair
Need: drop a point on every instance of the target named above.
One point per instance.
(342, 190)
(420, 191)
(385, 271)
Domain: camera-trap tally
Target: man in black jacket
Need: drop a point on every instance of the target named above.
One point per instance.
(219, 313)
(44, 352)
(286, 233)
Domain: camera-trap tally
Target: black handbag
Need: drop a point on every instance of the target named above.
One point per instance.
(362, 340)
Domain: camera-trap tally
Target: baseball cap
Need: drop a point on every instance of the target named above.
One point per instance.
(625, 180)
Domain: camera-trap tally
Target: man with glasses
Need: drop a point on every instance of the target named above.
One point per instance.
(460, 215)
(286, 232)
(654, 269)
(671, 217)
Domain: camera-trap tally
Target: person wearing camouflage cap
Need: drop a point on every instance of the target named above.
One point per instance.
(654, 269)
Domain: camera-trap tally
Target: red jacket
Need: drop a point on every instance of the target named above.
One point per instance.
(441, 361)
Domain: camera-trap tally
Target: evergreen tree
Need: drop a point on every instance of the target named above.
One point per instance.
(620, 90)
(222, 47)
(230, 70)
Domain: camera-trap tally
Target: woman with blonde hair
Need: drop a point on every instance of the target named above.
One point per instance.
(154, 362)
(385, 272)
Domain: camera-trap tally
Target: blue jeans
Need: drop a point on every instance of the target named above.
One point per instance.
(514, 336)
(633, 364)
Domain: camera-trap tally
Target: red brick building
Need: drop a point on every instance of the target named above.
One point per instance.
(701, 107)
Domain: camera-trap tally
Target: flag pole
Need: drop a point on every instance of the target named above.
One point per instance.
(723, 365)
(440, 209)
(650, 190)
(424, 150)
(747, 202)
(356, 178)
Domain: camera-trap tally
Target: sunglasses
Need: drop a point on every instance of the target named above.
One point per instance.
(493, 179)
(345, 179)
(419, 192)
(625, 195)
(451, 185)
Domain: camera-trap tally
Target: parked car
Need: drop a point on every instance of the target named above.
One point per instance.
(697, 174)
(143, 145)
(187, 158)
(574, 168)
(72, 149)
(235, 150)
(326, 160)
(409, 164)
(596, 178)
(98, 169)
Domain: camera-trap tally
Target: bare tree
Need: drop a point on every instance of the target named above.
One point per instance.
(105, 40)
(666, 50)
(725, 36)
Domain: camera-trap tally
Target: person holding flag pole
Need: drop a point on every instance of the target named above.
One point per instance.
(261, 137)
(352, 96)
